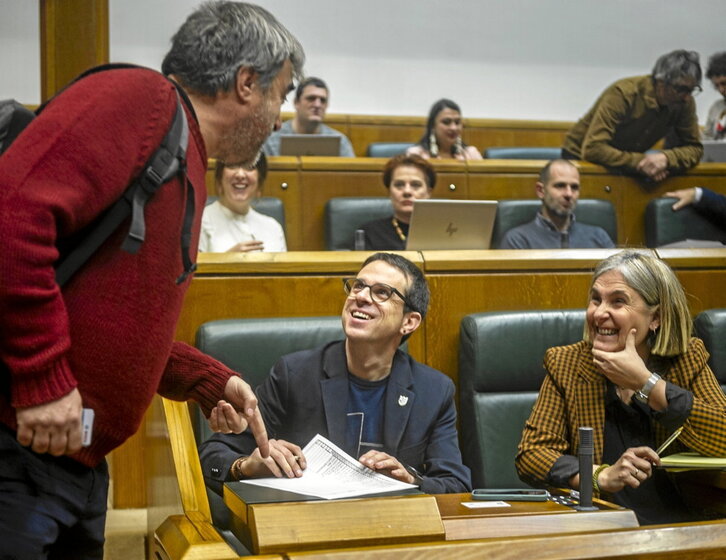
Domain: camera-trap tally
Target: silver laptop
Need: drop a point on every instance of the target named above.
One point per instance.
(451, 224)
(714, 151)
(309, 145)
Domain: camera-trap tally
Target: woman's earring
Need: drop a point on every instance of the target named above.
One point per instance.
(433, 146)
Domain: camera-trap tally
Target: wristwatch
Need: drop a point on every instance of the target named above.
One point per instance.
(644, 392)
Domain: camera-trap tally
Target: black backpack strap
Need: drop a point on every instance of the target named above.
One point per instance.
(167, 161)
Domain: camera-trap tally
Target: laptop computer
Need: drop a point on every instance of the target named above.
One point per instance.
(309, 145)
(451, 224)
(714, 151)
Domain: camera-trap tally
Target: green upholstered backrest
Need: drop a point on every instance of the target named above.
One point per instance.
(518, 152)
(387, 149)
(663, 225)
(500, 373)
(251, 347)
(267, 205)
(591, 211)
(344, 215)
(710, 326)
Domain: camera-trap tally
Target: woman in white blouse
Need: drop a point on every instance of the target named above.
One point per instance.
(230, 223)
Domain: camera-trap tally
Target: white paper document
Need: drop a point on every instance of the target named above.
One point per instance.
(332, 473)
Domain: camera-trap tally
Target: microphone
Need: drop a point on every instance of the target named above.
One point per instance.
(585, 457)
(360, 240)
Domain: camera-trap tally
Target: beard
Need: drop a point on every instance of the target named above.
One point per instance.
(243, 143)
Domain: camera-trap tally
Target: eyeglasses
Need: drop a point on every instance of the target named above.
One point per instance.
(686, 90)
(379, 292)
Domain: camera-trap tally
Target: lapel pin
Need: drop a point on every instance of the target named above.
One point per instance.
(402, 400)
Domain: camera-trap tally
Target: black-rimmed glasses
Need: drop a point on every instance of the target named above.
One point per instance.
(686, 90)
(379, 292)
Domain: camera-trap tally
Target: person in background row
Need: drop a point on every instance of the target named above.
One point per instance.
(442, 138)
(633, 114)
(715, 128)
(407, 178)
(635, 378)
(230, 223)
(705, 201)
(311, 103)
(105, 341)
(554, 226)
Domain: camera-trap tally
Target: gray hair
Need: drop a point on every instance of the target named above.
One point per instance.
(659, 287)
(676, 65)
(221, 37)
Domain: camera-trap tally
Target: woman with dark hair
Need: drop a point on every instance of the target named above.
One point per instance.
(442, 138)
(636, 377)
(231, 224)
(407, 178)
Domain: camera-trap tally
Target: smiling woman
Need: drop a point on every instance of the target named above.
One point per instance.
(635, 378)
(230, 223)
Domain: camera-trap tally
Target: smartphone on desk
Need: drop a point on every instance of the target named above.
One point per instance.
(511, 494)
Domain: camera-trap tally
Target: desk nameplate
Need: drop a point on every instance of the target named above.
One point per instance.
(279, 527)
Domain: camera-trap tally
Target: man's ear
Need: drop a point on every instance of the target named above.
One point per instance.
(245, 83)
(539, 188)
(411, 321)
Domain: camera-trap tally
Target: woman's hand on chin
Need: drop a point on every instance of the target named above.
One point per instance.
(625, 367)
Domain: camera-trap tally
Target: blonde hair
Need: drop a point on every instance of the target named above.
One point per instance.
(657, 284)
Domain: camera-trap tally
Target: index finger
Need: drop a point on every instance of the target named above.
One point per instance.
(257, 427)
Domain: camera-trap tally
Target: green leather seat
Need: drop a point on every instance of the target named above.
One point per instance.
(710, 326)
(500, 373)
(387, 149)
(664, 226)
(252, 347)
(517, 152)
(267, 205)
(593, 211)
(344, 215)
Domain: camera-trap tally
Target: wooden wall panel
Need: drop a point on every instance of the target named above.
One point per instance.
(73, 38)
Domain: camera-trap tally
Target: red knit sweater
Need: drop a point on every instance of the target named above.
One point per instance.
(110, 331)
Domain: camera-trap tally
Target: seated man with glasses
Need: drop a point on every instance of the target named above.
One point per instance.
(367, 396)
(633, 114)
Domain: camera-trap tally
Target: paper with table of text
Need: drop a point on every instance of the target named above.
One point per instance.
(332, 473)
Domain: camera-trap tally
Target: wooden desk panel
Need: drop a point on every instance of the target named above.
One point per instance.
(526, 518)
(697, 541)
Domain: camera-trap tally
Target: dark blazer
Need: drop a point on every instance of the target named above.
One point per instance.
(307, 393)
(712, 205)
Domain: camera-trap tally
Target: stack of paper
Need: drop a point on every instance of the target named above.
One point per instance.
(692, 460)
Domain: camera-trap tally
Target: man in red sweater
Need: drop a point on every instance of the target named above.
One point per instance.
(105, 341)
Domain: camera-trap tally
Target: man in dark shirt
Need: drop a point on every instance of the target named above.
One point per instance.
(555, 227)
(367, 396)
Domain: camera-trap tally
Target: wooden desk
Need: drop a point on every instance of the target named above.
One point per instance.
(526, 518)
(696, 541)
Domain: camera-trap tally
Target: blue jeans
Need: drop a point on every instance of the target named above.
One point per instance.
(50, 507)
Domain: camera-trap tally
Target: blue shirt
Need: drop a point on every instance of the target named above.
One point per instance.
(364, 427)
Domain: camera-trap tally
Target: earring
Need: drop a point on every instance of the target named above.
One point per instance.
(433, 146)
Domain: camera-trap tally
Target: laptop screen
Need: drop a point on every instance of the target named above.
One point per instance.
(451, 224)
(309, 145)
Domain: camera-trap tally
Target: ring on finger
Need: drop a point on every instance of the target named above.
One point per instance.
(635, 474)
